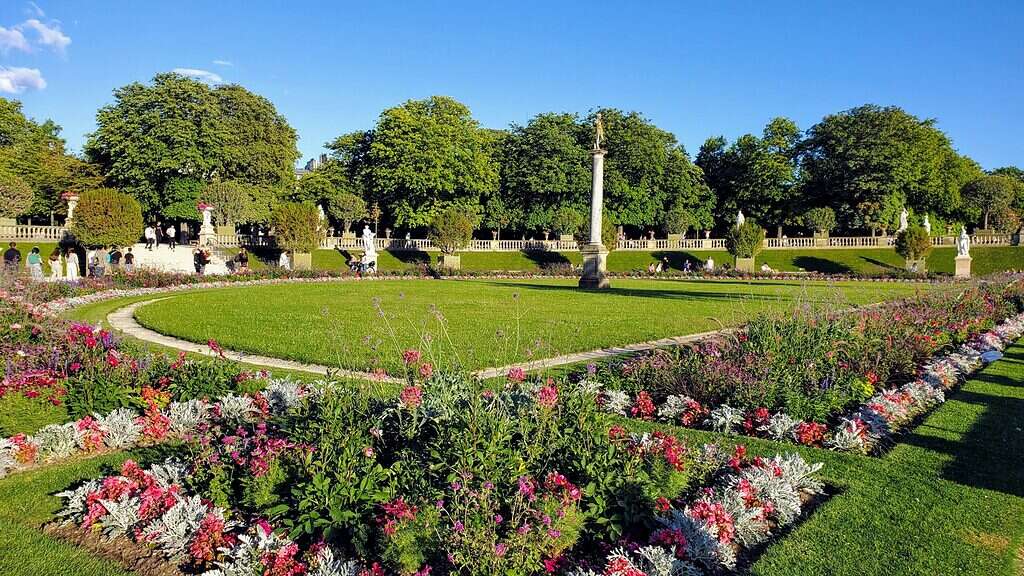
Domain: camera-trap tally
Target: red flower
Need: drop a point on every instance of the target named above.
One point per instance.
(644, 407)
(426, 370)
(547, 396)
(411, 397)
(411, 357)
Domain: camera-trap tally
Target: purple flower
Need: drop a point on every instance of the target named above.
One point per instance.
(439, 504)
(554, 533)
(500, 549)
(498, 519)
(456, 486)
(458, 527)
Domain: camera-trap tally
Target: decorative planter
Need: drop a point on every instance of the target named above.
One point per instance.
(821, 238)
(917, 266)
(745, 265)
(450, 261)
(348, 234)
(302, 261)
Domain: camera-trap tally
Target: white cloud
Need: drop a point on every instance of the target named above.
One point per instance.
(33, 9)
(201, 75)
(16, 80)
(223, 62)
(48, 36)
(12, 39)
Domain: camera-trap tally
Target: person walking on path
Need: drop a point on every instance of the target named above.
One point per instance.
(150, 235)
(72, 264)
(35, 264)
(100, 261)
(12, 258)
(55, 265)
(172, 236)
(129, 261)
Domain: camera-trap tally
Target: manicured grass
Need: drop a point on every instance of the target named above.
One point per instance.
(27, 501)
(487, 322)
(831, 261)
(19, 414)
(948, 499)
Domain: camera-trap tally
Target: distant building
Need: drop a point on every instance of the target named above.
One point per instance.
(315, 163)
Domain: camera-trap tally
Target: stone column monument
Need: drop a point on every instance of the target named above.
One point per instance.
(963, 254)
(595, 254)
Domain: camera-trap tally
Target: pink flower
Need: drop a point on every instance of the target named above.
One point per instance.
(516, 375)
(411, 356)
(411, 397)
(426, 370)
(500, 549)
(548, 396)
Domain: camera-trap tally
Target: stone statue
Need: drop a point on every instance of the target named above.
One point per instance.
(599, 128)
(740, 219)
(323, 216)
(927, 225)
(963, 243)
(207, 217)
(369, 246)
(903, 221)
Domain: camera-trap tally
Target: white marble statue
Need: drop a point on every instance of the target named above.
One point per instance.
(927, 225)
(740, 219)
(963, 243)
(323, 216)
(903, 221)
(207, 217)
(369, 246)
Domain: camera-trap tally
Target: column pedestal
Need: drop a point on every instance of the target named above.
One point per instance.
(963, 266)
(595, 267)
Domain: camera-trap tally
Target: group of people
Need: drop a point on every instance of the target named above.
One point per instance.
(64, 264)
(156, 235)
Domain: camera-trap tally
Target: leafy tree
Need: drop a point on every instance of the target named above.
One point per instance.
(181, 128)
(297, 227)
(679, 220)
(1018, 175)
(862, 161)
(498, 216)
(914, 243)
(35, 153)
(426, 154)
(609, 234)
(545, 165)
(821, 220)
(451, 230)
(687, 191)
(989, 195)
(567, 220)
(235, 202)
(15, 195)
(346, 208)
(746, 240)
(106, 217)
(314, 187)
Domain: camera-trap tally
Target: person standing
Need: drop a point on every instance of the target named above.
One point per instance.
(172, 236)
(115, 259)
(243, 261)
(100, 261)
(55, 264)
(197, 261)
(72, 264)
(12, 258)
(35, 264)
(150, 234)
(129, 261)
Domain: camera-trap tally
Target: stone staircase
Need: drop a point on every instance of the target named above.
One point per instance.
(177, 260)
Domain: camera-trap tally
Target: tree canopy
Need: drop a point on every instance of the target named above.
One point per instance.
(179, 128)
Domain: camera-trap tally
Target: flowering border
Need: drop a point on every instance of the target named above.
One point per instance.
(861, 430)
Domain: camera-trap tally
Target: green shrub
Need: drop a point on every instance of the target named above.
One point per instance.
(567, 220)
(745, 241)
(609, 235)
(451, 230)
(913, 243)
(821, 220)
(346, 208)
(106, 217)
(297, 227)
(679, 220)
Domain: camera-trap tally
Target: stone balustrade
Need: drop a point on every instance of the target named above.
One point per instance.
(55, 233)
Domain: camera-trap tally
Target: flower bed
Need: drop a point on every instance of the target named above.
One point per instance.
(847, 381)
(448, 477)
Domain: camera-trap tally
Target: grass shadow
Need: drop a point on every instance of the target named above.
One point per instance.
(678, 260)
(816, 264)
(879, 263)
(414, 257)
(545, 259)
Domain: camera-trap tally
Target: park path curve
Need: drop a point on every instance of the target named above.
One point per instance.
(123, 319)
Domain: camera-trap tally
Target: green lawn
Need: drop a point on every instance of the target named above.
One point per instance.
(488, 322)
(949, 499)
(859, 261)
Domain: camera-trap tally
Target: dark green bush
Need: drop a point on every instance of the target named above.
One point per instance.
(913, 243)
(451, 230)
(745, 241)
(297, 227)
(106, 217)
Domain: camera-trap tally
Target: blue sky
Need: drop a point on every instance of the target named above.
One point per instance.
(694, 68)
